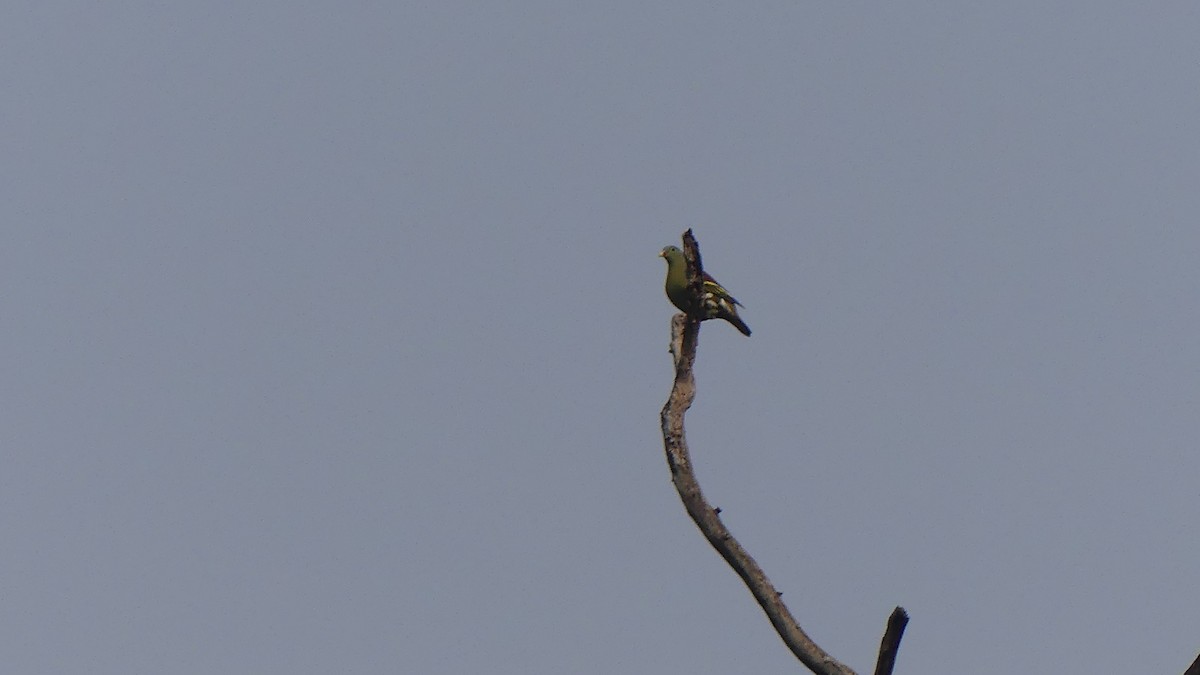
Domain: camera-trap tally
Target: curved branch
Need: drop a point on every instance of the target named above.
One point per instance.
(685, 331)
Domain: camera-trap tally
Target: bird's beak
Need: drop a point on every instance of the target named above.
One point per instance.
(660, 254)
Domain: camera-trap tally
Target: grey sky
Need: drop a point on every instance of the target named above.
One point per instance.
(336, 336)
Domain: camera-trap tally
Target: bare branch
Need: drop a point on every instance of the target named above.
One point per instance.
(684, 337)
(891, 641)
(695, 268)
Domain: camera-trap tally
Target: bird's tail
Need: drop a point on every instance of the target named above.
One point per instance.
(738, 323)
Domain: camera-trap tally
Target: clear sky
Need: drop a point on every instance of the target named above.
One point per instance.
(336, 339)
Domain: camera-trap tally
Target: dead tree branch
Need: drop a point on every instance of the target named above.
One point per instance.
(685, 332)
(891, 641)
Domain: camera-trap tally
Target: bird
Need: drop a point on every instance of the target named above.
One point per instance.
(716, 302)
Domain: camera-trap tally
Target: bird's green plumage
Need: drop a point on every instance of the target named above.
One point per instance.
(716, 302)
(677, 287)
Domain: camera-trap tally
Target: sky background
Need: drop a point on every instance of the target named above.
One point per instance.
(336, 339)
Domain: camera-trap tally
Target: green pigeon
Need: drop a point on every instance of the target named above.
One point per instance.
(717, 302)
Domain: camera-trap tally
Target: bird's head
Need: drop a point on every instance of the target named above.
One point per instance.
(672, 254)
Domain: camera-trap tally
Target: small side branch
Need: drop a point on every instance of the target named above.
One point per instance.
(891, 641)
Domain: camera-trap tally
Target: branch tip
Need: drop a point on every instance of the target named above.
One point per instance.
(891, 641)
